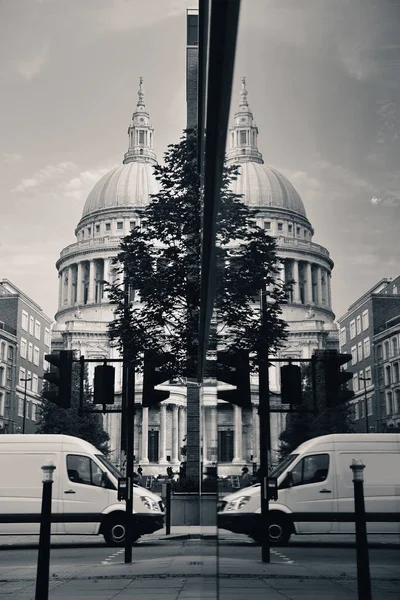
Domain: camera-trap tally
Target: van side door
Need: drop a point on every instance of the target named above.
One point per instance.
(312, 490)
(84, 491)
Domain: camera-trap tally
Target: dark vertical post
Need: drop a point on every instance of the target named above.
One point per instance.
(24, 415)
(314, 384)
(363, 574)
(81, 384)
(43, 564)
(265, 442)
(168, 508)
(129, 427)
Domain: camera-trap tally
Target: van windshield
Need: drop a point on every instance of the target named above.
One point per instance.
(279, 469)
(109, 466)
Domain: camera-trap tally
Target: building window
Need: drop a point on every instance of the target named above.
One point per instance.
(280, 226)
(8, 376)
(25, 320)
(379, 352)
(356, 386)
(354, 355)
(30, 351)
(352, 329)
(368, 375)
(89, 231)
(397, 402)
(35, 384)
(153, 445)
(2, 383)
(1, 404)
(356, 411)
(365, 320)
(367, 348)
(298, 230)
(141, 138)
(242, 138)
(120, 225)
(267, 224)
(23, 348)
(359, 351)
(394, 347)
(380, 375)
(20, 407)
(388, 379)
(10, 353)
(21, 381)
(290, 228)
(37, 330)
(97, 228)
(369, 406)
(132, 224)
(34, 411)
(342, 336)
(108, 226)
(396, 372)
(225, 445)
(47, 339)
(387, 349)
(3, 351)
(305, 233)
(358, 325)
(31, 324)
(29, 380)
(362, 410)
(389, 403)
(36, 356)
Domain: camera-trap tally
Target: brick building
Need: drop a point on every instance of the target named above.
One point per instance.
(369, 321)
(30, 328)
(8, 353)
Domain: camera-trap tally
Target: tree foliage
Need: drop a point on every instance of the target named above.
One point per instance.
(160, 260)
(301, 427)
(88, 427)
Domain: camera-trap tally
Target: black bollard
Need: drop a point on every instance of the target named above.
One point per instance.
(43, 564)
(363, 574)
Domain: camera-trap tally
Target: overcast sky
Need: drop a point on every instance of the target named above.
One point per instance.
(324, 86)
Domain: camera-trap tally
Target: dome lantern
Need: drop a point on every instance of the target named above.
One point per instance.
(243, 134)
(140, 133)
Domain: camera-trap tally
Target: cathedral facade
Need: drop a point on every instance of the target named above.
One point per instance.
(230, 435)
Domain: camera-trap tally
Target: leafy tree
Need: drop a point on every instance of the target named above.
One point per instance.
(302, 426)
(88, 427)
(160, 260)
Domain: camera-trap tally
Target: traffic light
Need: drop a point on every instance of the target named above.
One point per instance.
(291, 384)
(336, 380)
(233, 367)
(104, 379)
(59, 377)
(155, 372)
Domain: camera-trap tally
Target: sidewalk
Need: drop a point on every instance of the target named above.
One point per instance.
(187, 577)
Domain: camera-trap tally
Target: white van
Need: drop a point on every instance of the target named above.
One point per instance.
(317, 477)
(85, 481)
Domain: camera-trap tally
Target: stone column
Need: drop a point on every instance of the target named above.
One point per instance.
(319, 286)
(214, 434)
(329, 290)
(309, 298)
(181, 428)
(237, 457)
(60, 289)
(175, 435)
(281, 275)
(70, 272)
(163, 434)
(106, 277)
(296, 285)
(91, 282)
(144, 451)
(256, 434)
(204, 434)
(79, 283)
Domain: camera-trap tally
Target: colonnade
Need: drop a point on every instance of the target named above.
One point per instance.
(82, 282)
(178, 431)
(312, 281)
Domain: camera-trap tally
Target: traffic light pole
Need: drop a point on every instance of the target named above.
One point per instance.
(265, 438)
(129, 429)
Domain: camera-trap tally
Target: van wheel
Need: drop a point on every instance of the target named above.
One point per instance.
(114, 532)
(279, 531)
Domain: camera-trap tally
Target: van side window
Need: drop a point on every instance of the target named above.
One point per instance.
(311, 469)
(82, 469)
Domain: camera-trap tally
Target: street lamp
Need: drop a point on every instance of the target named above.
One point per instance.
(26, 379)
(365, 379)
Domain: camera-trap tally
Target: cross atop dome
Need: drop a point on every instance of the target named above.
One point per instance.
(140, 133)
(243, 134)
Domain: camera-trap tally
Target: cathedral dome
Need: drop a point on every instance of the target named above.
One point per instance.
(265, 187)
(128, 185)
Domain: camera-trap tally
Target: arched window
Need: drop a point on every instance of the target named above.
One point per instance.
(394, 346)
(397, 402)
(389, 403)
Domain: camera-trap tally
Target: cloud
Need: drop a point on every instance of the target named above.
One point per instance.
(79, 187)
(126, 15)
(12, 157)
(44, 175)
(31, 66)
